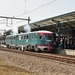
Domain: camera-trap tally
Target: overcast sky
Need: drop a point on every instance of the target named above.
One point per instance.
(36, 9)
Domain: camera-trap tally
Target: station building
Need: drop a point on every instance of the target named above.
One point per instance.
(62, 25)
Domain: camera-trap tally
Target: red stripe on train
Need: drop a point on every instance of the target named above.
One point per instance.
(44, 45)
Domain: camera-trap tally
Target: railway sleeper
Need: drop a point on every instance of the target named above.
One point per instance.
(57, 58)
(53, 58)
(61, 59)
(71, 62)
(49, 57)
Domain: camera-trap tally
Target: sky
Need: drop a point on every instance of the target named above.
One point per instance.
(36, 9)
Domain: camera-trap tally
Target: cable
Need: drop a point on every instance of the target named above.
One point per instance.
(33, 9)
(38, 7)
(12, 7)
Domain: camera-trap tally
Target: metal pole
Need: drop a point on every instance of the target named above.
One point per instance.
(11, 21)
(28, 20)
(59, 30)
(7, 22)
(13, 18)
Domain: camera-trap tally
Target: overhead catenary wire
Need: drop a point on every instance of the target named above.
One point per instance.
(12, 7)
(34, 8)
(38, 7)
(30, 10)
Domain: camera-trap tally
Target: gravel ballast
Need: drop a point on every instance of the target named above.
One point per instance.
(35, 64)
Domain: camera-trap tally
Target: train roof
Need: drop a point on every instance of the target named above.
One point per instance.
(43, 31)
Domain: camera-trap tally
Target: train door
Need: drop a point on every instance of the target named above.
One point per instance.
(16, 39)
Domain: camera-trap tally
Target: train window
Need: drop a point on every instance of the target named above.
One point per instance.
(49, 37)
(42, 37)
(45, 37)
(11, 38)
(32, 36)
(27, 37)
(19, 37)
(36, 36)
(14, 37)
(24, 37)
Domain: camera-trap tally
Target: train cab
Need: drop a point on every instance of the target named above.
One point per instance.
(45, 40)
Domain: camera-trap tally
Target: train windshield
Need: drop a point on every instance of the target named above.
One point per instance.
(49, 37)
(45, 37)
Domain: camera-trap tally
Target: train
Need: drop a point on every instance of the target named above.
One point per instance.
(33, 41)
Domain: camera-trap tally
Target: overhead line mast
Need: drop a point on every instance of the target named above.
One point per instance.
(14, 18)
(25, 7)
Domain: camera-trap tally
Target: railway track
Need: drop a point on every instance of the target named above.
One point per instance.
(61, 58)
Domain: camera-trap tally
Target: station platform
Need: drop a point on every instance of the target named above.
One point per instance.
(65, 51)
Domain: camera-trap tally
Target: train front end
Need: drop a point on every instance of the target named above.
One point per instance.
(45, 40)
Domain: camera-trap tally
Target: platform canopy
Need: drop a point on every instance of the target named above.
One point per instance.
(66, 21)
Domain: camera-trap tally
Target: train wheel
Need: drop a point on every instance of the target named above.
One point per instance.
(32, 48)
(36, 49)
(9, 47)
(15, 47)
(19, 48)
(24, 49)
(29, 48)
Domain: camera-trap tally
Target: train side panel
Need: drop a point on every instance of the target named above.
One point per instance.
(33, 40)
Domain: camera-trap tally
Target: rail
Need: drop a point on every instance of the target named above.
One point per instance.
(61, 58)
